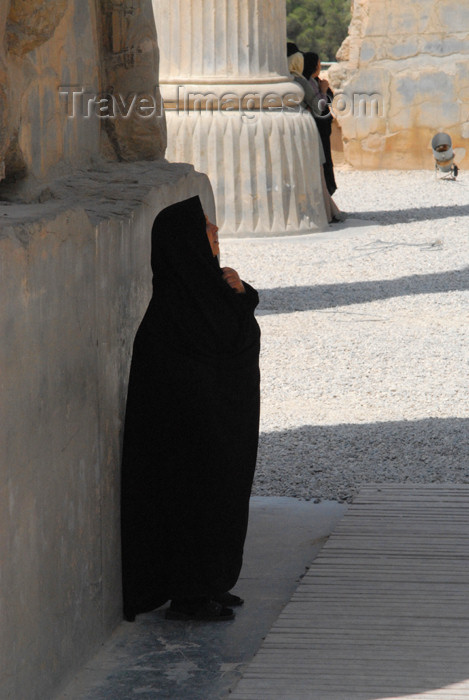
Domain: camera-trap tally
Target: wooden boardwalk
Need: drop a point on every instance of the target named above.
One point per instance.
(383, 612)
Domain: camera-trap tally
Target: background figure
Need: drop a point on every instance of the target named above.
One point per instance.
(291, 48)
(310, 103)
(295, 66)
(191, 427)
(322, 114)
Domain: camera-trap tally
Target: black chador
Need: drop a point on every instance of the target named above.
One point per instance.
(191, 426)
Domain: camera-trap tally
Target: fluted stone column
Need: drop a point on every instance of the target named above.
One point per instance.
(231, 110)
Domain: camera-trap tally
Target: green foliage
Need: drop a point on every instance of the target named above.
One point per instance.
(318, 25)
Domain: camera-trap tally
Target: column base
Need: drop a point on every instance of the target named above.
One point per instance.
(264, 168)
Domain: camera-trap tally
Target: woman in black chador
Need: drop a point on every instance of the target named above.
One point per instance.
(323, 96)
(191, 427)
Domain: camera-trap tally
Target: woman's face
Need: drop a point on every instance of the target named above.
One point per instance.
(212, 234)
(317, 71)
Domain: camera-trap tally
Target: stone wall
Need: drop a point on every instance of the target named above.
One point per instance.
(414, 59)
(75, 223)
(51, 48)
(75, 279)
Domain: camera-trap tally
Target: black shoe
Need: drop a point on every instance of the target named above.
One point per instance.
(201, 609)
(228, 599)
(129, 615)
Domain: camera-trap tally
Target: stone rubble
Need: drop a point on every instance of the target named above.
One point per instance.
(365, 360)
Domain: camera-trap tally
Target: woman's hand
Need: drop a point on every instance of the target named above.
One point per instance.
(323, 85)
(232, 278)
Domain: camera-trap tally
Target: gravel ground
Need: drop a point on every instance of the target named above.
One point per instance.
(365, 330)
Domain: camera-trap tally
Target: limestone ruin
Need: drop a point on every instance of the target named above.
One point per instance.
(53, 48)
(78, 194)
(403, 75)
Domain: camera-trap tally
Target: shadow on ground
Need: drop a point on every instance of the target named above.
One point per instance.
(282, 300)
(390, 217)
(333, 462)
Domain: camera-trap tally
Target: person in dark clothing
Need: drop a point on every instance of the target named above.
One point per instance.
(191, 427)
(291, 48)
(322, 115)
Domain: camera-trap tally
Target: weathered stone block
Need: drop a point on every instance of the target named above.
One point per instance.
(33, 22)
(52, 576)
(131, 69)
(93, 48)
(75, 279)
(446, 46)
(4, 86)
(367, 52)
(421, 53)
(374, 143)
(452, 16)
(404, 49)
(400, 19)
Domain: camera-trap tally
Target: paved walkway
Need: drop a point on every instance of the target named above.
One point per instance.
(154, 658)
(383, 611)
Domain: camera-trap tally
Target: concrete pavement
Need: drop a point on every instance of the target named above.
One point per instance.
(154, 658)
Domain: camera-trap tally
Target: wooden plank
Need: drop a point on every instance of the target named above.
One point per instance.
(384, 609)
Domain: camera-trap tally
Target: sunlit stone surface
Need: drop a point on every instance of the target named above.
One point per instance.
(404, 74)
(52, 48)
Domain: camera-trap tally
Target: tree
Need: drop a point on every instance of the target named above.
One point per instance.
(318, 25)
